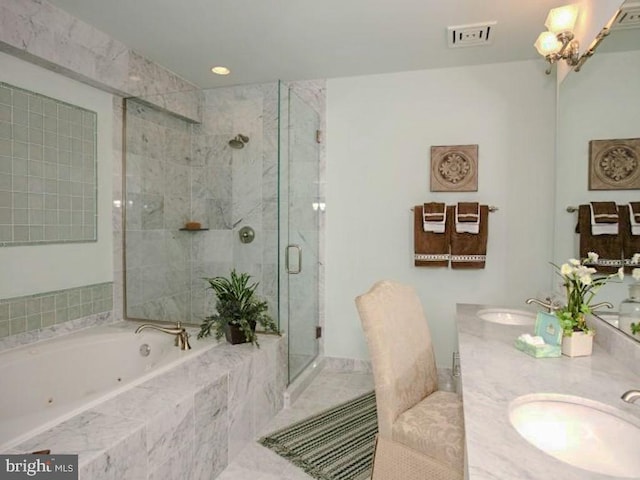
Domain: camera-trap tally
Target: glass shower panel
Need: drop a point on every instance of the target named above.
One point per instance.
(157, 203)
(302, 230)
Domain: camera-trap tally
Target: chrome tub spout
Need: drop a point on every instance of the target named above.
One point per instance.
(182, 337)
(631, 396)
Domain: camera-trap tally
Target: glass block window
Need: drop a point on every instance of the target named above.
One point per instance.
(48, 187)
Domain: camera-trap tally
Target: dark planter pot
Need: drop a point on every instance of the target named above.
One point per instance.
(235, 335)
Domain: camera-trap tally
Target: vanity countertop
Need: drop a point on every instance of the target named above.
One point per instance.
(494, 372)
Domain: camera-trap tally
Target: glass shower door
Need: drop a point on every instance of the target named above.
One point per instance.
(299, 220)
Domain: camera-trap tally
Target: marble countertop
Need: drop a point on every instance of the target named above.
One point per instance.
(494, 372)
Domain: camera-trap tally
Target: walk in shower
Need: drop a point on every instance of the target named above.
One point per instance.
(250, 165)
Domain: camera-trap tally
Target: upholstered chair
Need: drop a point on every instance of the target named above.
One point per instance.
(420, 428)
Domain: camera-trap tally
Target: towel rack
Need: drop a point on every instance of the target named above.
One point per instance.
(491, 208)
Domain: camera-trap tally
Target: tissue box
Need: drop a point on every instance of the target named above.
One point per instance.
(548, 327)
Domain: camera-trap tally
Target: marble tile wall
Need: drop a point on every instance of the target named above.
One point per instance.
(157, 205)
(38, 32)
(188, 422)
(233, 188)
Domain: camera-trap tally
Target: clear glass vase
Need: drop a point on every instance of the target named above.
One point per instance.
(630, 310)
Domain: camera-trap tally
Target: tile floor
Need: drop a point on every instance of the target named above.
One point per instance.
(329, 388)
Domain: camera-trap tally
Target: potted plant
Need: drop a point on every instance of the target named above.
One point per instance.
(581, 284)
(239, 310)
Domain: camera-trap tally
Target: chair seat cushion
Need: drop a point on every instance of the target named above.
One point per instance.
(435, 427)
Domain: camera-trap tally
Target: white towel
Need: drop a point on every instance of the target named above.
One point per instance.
(602, 228)
(467, 227)
(435, 227)
(635, 226)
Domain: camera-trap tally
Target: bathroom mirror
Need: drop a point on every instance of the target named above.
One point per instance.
(599, 102)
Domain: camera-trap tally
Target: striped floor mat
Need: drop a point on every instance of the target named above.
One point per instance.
(336, 444)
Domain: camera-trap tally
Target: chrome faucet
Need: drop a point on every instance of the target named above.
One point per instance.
(182, 337)
(550, 305)
(631, 396)
(601, 304)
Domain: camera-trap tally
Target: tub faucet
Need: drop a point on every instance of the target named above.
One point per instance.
(631, 396)
(550, 305)
(182, 337)
(601, 304)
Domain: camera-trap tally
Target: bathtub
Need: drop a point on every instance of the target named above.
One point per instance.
(45, 383)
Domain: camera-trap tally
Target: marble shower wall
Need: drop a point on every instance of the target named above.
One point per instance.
(233, 188)
(177, 171)
(158, 203)
(40, 33)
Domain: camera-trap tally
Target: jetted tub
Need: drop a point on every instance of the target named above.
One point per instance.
(45, 383)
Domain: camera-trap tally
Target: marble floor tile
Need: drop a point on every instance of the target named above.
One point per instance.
(326, 390)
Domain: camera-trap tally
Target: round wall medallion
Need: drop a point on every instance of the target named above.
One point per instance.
(614, 164)
(454, 168)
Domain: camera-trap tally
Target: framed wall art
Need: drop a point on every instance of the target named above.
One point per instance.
(454, 168)
(614, 164)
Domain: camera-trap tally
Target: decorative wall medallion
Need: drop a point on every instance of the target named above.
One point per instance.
(454, 168)
(614, 164)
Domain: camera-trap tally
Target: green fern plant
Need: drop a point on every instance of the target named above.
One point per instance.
(237, 305)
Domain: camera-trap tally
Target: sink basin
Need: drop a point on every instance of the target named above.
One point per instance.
(581, 432)
(507, 316)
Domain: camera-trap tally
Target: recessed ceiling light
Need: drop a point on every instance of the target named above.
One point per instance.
(219, 70)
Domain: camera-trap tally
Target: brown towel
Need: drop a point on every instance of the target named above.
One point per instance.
(467, 212)
(605, 212)
(630, 242)
(433, 212)
(469, 250)
(635, 207)
(608, 247)
(430, 249)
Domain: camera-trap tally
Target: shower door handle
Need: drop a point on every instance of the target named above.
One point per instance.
(298, 267)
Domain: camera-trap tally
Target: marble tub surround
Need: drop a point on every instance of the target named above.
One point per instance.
(188, 422)
(494, 373)
(57, 330)
(38, 32)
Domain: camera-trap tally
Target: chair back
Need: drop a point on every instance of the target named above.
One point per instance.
(399, 342)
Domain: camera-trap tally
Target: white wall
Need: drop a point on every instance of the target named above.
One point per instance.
(380, 129)
(600, 102)
(32, 269)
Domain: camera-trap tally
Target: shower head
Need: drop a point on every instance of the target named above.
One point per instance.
(238, 141)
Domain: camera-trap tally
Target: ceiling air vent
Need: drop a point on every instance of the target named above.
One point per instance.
(471, 35)
(629, 16)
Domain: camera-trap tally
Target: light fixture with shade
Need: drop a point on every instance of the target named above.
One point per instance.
(558, 42)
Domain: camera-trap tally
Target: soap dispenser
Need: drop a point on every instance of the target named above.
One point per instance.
(630, 310)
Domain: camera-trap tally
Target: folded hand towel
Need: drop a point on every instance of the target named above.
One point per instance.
(604, 218)
(608, 246)
(467, 217)
(469, 250)
(634, 217)
(629, 232)
(430, 249)
(434, 217)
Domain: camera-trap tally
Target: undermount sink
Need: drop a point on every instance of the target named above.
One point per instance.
(507, 316)
(581, 432)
